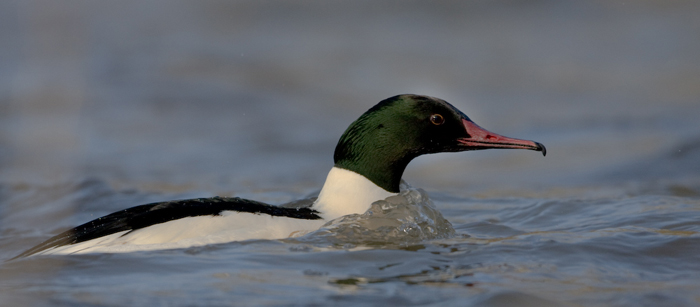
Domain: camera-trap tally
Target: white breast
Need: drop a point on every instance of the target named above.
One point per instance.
(346, 192)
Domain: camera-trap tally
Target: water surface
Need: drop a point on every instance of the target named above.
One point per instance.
(104, 106)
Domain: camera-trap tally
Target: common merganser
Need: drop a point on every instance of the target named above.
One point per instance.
(370, 159)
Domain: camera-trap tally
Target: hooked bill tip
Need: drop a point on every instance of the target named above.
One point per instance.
(541, 148)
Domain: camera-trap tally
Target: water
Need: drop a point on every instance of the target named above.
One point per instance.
(106, 106)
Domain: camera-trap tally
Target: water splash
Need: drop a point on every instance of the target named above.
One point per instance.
(407, 218)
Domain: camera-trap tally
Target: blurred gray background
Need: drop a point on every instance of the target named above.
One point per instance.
(235, 96)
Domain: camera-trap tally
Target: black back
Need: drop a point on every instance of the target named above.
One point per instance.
(156, 213)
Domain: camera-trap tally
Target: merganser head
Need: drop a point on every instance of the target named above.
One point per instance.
(380, 144)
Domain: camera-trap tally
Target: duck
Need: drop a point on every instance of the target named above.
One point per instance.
(369, 162)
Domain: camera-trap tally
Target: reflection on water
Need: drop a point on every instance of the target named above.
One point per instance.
(106, 106)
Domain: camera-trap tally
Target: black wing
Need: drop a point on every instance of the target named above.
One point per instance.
(151, 214)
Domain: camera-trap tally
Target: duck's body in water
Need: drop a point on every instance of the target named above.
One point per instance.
(370, 159)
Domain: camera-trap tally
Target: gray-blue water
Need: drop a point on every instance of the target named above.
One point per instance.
(107, 105)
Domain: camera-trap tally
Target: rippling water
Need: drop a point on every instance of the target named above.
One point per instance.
(106, 106)
(640, 250)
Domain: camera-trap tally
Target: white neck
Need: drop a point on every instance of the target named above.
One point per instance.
(346, 192)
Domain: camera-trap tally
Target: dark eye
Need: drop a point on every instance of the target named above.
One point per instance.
(437, 119)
